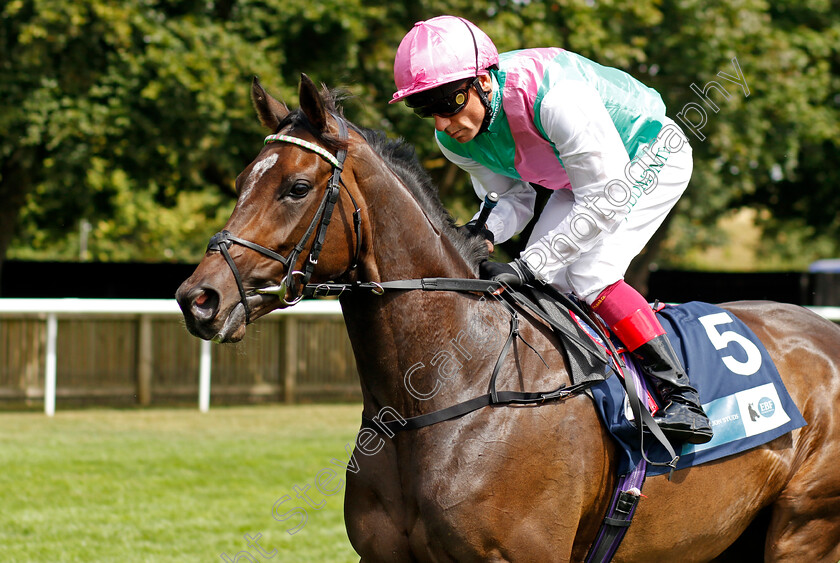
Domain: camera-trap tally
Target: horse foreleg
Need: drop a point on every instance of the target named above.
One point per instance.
(373, 509)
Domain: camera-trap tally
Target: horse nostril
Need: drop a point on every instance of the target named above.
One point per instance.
(205, 305)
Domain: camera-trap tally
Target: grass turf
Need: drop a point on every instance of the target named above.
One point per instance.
(172, 485)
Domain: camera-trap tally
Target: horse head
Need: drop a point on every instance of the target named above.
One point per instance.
(307, 210)
(289, 202)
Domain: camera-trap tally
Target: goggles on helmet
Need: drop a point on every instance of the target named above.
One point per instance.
(445, 101)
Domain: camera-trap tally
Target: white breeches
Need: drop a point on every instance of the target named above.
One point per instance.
(607, 261)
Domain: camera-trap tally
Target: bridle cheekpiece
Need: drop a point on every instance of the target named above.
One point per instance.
(223, 240)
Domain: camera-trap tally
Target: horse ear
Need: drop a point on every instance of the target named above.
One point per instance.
(312, 104)
(270, 111)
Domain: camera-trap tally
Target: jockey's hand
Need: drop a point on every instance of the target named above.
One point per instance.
(472, 229)
(513, 274)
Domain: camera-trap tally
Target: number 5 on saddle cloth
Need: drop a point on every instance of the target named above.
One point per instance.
(738, 384)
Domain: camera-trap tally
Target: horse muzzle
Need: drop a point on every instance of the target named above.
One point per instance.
(206, 317)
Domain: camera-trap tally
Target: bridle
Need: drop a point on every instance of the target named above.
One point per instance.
(223, 240)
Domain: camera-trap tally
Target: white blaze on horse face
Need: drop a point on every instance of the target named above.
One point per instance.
(257, 172)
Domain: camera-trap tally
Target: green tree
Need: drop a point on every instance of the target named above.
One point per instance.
(105, 99)
(135, 115)
(795, 182)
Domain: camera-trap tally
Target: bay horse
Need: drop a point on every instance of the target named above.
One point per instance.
(503, 483)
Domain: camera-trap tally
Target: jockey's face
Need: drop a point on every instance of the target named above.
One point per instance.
(465, 125)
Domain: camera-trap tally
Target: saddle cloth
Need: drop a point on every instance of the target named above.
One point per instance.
(739, 387)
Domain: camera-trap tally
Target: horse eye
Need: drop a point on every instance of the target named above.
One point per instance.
(299, 189)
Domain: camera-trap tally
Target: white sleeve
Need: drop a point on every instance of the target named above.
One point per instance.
(593, 154)
(516, 198)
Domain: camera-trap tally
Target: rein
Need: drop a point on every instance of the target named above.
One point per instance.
(223, 240)
(612, 362)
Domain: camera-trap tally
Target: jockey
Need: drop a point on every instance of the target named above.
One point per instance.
(597, 137)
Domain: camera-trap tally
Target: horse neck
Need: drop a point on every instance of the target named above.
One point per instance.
(400, 329)
(404, 241)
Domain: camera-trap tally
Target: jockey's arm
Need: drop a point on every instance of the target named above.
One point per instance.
(593, 154)
(516, 198)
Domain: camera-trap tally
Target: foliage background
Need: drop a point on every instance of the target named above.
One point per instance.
(123, 123)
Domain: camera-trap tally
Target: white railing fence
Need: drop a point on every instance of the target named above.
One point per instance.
(51, 310)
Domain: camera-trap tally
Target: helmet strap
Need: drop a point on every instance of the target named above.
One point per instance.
(482, 95)
(488, 108)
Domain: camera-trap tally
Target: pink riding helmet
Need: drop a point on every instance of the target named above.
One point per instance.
(439, 51)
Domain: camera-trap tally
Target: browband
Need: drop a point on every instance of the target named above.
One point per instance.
(307, 145)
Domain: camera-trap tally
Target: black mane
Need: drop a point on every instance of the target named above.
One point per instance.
(401, 157)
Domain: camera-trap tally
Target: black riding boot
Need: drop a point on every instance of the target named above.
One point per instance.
(682, 419)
